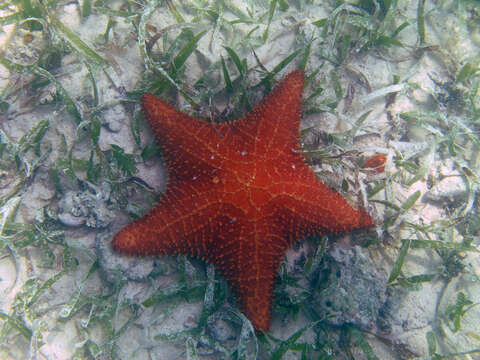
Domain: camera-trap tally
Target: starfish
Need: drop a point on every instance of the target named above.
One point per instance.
(238, 195)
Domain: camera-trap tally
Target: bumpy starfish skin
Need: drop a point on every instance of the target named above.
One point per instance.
(238, 195)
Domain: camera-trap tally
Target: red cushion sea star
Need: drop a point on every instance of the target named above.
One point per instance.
(238, 195)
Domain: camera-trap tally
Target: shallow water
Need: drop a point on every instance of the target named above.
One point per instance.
(78, 162)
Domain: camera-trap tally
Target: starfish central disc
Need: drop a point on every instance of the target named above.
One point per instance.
(238, 195)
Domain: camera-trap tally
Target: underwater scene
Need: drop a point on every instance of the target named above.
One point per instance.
(268, 179)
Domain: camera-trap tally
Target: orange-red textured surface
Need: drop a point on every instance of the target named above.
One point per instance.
(238, 195)
(376, 163)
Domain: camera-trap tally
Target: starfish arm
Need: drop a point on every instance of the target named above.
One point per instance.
(277, 118)
(189, 144)
(311, 207)
(250, 267)
(183, 222)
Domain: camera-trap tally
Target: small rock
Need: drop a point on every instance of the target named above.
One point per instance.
(114, 118)
(70, 220)
(220, 330)
(87, 207)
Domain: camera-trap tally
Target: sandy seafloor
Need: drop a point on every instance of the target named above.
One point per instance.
(89, 219)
